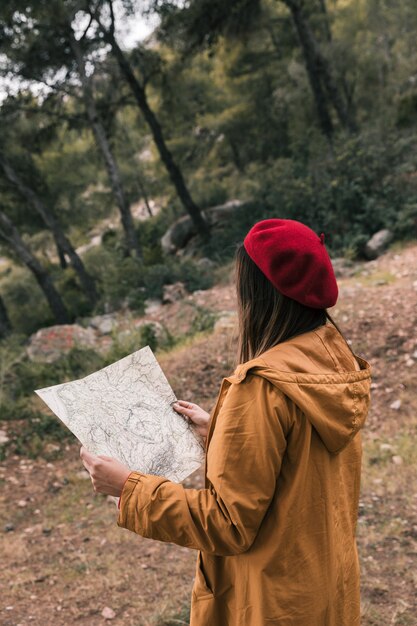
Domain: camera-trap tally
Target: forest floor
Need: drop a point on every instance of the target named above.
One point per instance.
(64, 560)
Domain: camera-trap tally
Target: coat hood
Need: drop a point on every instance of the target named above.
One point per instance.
(318, 372)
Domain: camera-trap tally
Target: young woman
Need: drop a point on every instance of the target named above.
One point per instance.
(275, 524)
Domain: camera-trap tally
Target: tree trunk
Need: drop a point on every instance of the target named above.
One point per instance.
(321, 80)
(5, 325)
(63, 244)
(103, 145)
(172, 168)
(10, 234)
(326, 21)
(61, 255)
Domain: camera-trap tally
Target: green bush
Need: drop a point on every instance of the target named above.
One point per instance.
(406, 224)
(28, 376)
(120, 278)
(349, 194)
(203, 320)
(27, 307)
(36, 432)
(173, 270)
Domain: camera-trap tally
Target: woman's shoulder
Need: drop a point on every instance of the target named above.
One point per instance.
(320, 351)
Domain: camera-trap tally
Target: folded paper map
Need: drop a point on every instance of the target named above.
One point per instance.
(124, 411)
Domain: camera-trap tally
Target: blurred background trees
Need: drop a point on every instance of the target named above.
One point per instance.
(304, 110)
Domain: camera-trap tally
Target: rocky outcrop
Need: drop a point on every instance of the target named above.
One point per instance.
(49, 344)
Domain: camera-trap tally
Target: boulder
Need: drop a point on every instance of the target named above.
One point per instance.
(49, 344)
(104, 324)
(378, 243)
(179, 233)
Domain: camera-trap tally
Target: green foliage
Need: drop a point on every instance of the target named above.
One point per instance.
(129, 341)
(406, 223)
(28, 376)
(36, 432)
(350, 194)
(26, 305)
(203, 320)
(148, 336)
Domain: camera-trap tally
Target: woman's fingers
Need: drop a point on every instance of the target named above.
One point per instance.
(87, 458)
(184, 408)
(185, 405)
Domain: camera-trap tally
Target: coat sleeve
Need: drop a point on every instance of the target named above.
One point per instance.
(243, 463)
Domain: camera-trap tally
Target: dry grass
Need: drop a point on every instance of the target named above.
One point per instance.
(65, 559)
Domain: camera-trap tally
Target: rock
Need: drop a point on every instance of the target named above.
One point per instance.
(178, 235)
(395, 405)
(108, 613)
(49, 344)
(397, 460)
(386, 447)
(152, 306)
(377, 243)
(22, 503)
(173, 293)
(3, 437)
(103, 323)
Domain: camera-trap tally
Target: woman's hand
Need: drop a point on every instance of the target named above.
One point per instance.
(107, 475)
(194, 413)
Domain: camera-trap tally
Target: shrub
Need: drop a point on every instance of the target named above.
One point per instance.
(27, 307)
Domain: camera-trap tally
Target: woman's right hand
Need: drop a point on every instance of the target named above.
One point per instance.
(195, 413)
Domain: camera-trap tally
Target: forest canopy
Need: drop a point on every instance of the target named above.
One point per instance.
(302, 110)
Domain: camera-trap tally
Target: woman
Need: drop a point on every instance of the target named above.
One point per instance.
(275, 524)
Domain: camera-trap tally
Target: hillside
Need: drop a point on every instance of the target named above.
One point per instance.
(63, 558)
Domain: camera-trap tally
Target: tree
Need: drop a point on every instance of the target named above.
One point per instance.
(42, 55)
(11, 236)
(104, 147)
(320, 74)
(201, 22)
(63, 244)
(139, 93)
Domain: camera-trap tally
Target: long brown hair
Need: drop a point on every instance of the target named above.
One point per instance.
(266, 316)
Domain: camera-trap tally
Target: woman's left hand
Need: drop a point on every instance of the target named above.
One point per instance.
(107, 475)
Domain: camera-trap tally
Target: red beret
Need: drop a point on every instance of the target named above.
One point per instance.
(295, 260)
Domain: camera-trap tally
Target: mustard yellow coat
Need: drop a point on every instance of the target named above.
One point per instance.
(275, 524)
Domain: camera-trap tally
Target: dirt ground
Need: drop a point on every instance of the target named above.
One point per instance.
(63, 559)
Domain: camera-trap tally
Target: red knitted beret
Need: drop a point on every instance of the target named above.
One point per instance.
(295, 260)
